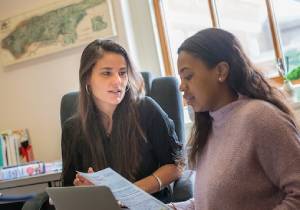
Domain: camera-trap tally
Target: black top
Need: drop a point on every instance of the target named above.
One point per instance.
(161, 147)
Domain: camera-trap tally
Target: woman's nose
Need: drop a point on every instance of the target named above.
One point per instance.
(182, 87)
(117, 79)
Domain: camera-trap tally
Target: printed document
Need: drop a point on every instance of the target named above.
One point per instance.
(127, 193)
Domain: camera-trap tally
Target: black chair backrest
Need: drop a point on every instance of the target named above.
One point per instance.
(165, 91)
(148, 82)
(68, 106)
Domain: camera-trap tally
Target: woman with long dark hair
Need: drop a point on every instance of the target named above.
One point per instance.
(245, 144)
(116, 126)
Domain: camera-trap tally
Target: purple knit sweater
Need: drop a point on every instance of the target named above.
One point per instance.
(251, 160)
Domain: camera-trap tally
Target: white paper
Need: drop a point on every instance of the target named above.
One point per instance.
(123, 190)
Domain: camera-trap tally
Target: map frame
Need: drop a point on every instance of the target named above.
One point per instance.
(89, 20)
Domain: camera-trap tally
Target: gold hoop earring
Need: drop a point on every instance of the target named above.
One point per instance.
(87, 89)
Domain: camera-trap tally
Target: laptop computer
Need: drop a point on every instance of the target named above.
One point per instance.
(83, 198)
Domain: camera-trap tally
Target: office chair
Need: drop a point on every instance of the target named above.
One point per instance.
(164, 90)
(14, 202)
(39, 202)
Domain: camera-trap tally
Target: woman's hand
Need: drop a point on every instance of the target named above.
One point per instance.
(81, 181)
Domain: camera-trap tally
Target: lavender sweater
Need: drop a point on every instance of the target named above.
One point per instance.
(251, 160)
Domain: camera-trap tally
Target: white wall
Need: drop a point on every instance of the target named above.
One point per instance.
(30, 92)
(144, 36)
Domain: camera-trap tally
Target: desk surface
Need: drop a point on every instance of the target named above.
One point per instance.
(37, 179)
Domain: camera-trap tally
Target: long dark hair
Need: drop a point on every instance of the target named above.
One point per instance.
(213, 46)
(126, 132)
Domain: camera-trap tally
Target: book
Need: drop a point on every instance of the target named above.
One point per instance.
(2, 152)
(25, 153)
(15, 147)
(12, 150)
(53, 166)
(24, 170)
(127, 193)
(9, 152)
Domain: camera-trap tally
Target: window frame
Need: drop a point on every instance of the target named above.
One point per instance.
(165, 48)
(164, 44)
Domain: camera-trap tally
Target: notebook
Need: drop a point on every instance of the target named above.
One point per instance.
(83, 198)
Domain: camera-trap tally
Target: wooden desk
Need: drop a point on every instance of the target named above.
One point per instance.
(33, 184)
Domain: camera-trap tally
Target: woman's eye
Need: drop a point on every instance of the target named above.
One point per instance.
(123, 73)
(105, 73)
(188, 77)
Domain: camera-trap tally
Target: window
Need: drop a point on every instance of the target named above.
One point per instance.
(183, 19)
(288, 18)
(248, 21)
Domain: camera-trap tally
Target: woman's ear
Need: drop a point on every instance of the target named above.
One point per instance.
(222, 71)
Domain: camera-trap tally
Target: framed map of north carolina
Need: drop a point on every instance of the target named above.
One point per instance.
(55, 27)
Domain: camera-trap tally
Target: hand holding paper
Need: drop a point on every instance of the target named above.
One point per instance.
(82, 181)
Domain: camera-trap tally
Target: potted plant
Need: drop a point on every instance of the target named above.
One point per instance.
(293, 75)
(290, 76)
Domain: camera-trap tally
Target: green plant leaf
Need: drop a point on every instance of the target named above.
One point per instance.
(294, 74)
